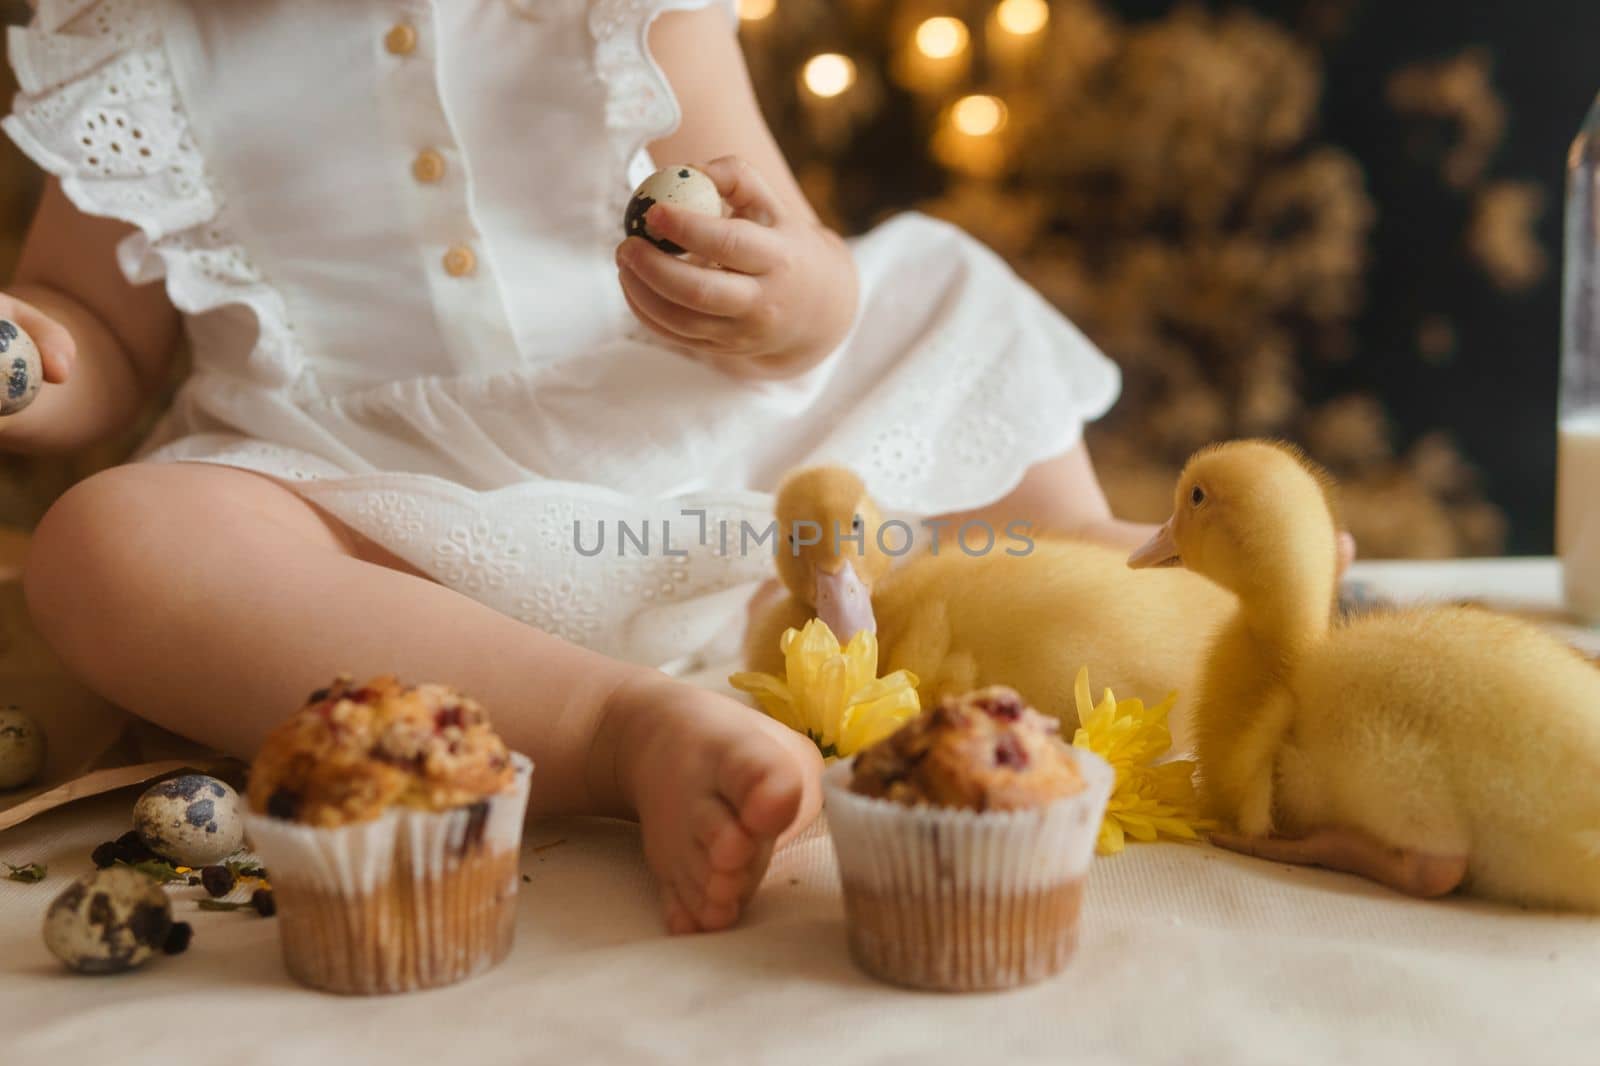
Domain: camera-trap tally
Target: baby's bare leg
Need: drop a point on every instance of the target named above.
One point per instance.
(210, 601)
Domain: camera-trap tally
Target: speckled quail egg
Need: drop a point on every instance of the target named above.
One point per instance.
(680, 186)
(21, 749)
(108, 921)
(193, 820)
(22, 371)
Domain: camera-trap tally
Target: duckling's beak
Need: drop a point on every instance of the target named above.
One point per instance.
(1159, 550)
(844, 603)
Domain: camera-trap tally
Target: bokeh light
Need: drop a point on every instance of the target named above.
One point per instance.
(941, 37)
(978, 115)
(756, 10)
(1022, 17)
(828, 74)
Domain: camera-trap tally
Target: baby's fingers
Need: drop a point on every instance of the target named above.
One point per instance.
(735, 243)
(57, 349)
(745, 190)
(699, 288)
(677, 324)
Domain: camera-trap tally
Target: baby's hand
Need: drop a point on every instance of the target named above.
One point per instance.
(56, 346)
(765, 294)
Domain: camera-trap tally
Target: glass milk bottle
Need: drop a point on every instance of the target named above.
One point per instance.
(1578, 463)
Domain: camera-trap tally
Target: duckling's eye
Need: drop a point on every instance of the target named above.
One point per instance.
(794, 542)
(1198, 496)
(857, 525)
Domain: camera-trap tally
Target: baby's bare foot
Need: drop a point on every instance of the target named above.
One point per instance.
(714, 784)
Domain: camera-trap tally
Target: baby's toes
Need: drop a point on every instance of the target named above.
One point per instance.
(714, 896)
(715, 917)
(722, 839)
(762, 784)
(679, 920)
(725, 887)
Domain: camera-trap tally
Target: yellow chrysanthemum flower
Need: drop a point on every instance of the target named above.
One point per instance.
(833, 695)
(1149, 800)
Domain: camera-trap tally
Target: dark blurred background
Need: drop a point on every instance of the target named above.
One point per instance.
(1336, 221)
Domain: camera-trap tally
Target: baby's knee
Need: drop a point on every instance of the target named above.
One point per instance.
(82, 544)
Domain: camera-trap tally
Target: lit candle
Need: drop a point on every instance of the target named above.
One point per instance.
(978, 116)
(971, 136)
(826, 84)
(1016, 33)
(1021, 17)
(828, 75)
(941, 37)
(758, 26)
(936, 56)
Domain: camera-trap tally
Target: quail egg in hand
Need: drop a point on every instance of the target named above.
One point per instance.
(108, 921)
(680, 186)
(20, 369)
(193, 820)
(21, 748)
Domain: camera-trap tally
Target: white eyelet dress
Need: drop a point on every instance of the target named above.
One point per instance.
(391, 226)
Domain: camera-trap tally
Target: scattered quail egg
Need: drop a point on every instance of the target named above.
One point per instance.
(20, 369)
(679, 186)
(108, 921)
(21, 748)
(193, 820)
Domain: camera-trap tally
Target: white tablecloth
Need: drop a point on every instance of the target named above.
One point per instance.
(1189, 955)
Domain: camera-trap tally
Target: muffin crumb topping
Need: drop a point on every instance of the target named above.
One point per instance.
(987, 750)
(354, 751)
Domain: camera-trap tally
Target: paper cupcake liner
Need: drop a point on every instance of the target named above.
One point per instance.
(412, 900)
(963, 901)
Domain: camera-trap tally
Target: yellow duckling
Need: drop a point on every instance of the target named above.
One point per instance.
(1425, 749)
(827, 561)
(961, 622)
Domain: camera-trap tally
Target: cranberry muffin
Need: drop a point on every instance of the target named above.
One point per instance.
(963, 841)
(354, 751)
(986, 751)
(390, 816)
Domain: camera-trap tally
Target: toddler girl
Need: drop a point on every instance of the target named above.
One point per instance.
(424, 363)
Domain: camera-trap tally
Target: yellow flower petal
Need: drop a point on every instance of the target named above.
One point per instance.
(861, 659)
(1080, 693)
(1111, 840)
(876, 709)
(833, 694)
(773, 696)
(1149, 800)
